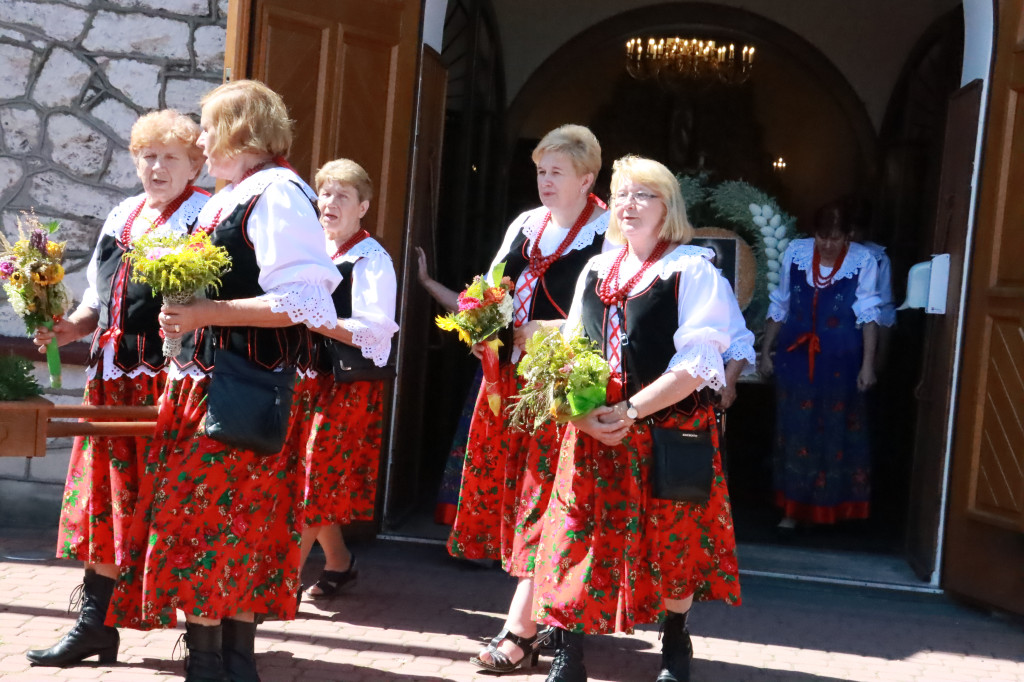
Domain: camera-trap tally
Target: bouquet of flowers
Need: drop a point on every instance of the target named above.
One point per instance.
(33, 278)
(178, 267)
(485, 308)
(563, 378)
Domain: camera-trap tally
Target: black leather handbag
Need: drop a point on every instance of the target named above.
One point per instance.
(248, 407)
(682, 467)
(348, 365)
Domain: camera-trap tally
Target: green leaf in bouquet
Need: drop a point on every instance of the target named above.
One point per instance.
(585, 399)
(497, 272)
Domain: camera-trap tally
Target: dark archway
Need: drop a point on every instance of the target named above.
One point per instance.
(742, 128)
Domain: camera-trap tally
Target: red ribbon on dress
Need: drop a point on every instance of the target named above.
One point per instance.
(811, 338)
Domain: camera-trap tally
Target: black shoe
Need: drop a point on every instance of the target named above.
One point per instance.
(331, 583)
(567, 665)
(676, 649)
(89, 636)
(204, 661)
(239, 650)
(500, 662)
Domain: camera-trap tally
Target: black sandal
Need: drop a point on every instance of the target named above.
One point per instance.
(500, 662)
(330, 583)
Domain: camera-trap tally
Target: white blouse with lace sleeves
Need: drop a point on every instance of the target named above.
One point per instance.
(705, 320)
(111, 226)
(295, 271)
(374, 290)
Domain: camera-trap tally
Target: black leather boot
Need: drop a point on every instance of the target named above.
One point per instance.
(89, 636)
(676, 649)
(204, 661)
(567, 666)
(239, 650)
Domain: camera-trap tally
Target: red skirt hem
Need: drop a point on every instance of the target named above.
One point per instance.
(809, 513)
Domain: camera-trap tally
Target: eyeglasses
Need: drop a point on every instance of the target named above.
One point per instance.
(641, 198)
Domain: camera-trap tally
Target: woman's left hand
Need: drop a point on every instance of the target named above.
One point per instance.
(524, 333)
(609, 432)
(176, 320)
(866, 378)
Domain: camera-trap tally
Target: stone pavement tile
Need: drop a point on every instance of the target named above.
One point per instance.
(417, 616)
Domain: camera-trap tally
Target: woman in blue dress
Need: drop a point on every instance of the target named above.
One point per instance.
(824, 315)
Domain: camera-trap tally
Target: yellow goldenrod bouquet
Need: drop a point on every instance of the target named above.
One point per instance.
(177, 267)
(485, 308)
(33, 278)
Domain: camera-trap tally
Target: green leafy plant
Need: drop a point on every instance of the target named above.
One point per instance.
(16, 380)
(562, 378)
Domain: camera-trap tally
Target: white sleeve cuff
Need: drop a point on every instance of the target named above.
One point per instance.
(702, 361)
(305, 303)
(374, 341)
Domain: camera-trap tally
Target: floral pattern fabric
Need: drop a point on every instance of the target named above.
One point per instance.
(610, 554)
(103, 476)
(215, 531)
(342, 452)
(506, 483)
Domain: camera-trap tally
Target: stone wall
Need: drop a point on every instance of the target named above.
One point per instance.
(74, 76)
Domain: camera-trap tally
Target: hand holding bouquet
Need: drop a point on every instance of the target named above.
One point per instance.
(484, 310)
(33, 279)
(178, 267)
(563, 378)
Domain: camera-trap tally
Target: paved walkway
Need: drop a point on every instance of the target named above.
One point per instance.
(417, 616)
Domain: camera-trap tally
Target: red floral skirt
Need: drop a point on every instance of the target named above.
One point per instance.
(103, 476)
(215, 531)
(343, 452)
(611, 554)
(506, 482)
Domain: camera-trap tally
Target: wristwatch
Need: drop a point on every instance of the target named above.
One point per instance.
(631, 411)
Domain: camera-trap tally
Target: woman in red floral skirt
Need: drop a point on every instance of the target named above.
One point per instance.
(215, 533)
(126, 367)
(611, 555)
(343, 449)
(508, 474)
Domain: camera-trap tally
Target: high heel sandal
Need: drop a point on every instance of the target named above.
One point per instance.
(330, 583)
(500, 662)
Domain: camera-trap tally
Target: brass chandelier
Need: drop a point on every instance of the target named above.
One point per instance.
(688, 59)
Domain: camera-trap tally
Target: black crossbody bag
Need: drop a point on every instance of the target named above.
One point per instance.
(682, 467)
(248, 407)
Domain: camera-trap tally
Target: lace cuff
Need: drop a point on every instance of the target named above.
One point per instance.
(375, 344)
(305, 304)
(703, 361)
(777, 313)
(872, 314)
(740, 351)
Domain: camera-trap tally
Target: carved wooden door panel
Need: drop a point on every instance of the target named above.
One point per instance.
(347, 71)
(985, 537)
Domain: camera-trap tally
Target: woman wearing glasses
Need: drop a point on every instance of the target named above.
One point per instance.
(508, 474)
(612, 556)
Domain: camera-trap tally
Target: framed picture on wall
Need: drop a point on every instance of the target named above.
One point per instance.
(726, 255)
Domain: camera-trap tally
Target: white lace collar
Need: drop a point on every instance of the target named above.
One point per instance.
(178, 222)
(365, 248)
(597, 226)
(225, 200)
(676, 260)
(856, 258)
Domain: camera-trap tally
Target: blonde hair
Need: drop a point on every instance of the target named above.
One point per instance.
(576, 142)
(247, 116)
(166, 126)
(346, 172)
(676, 226)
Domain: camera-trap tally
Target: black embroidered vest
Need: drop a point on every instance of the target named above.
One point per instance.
(139, 343)
(266, 347)
(344, 361)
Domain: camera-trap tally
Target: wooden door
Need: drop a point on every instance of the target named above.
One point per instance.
(347, 71)
(985, 537)
(416, 408)
(933, 392)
